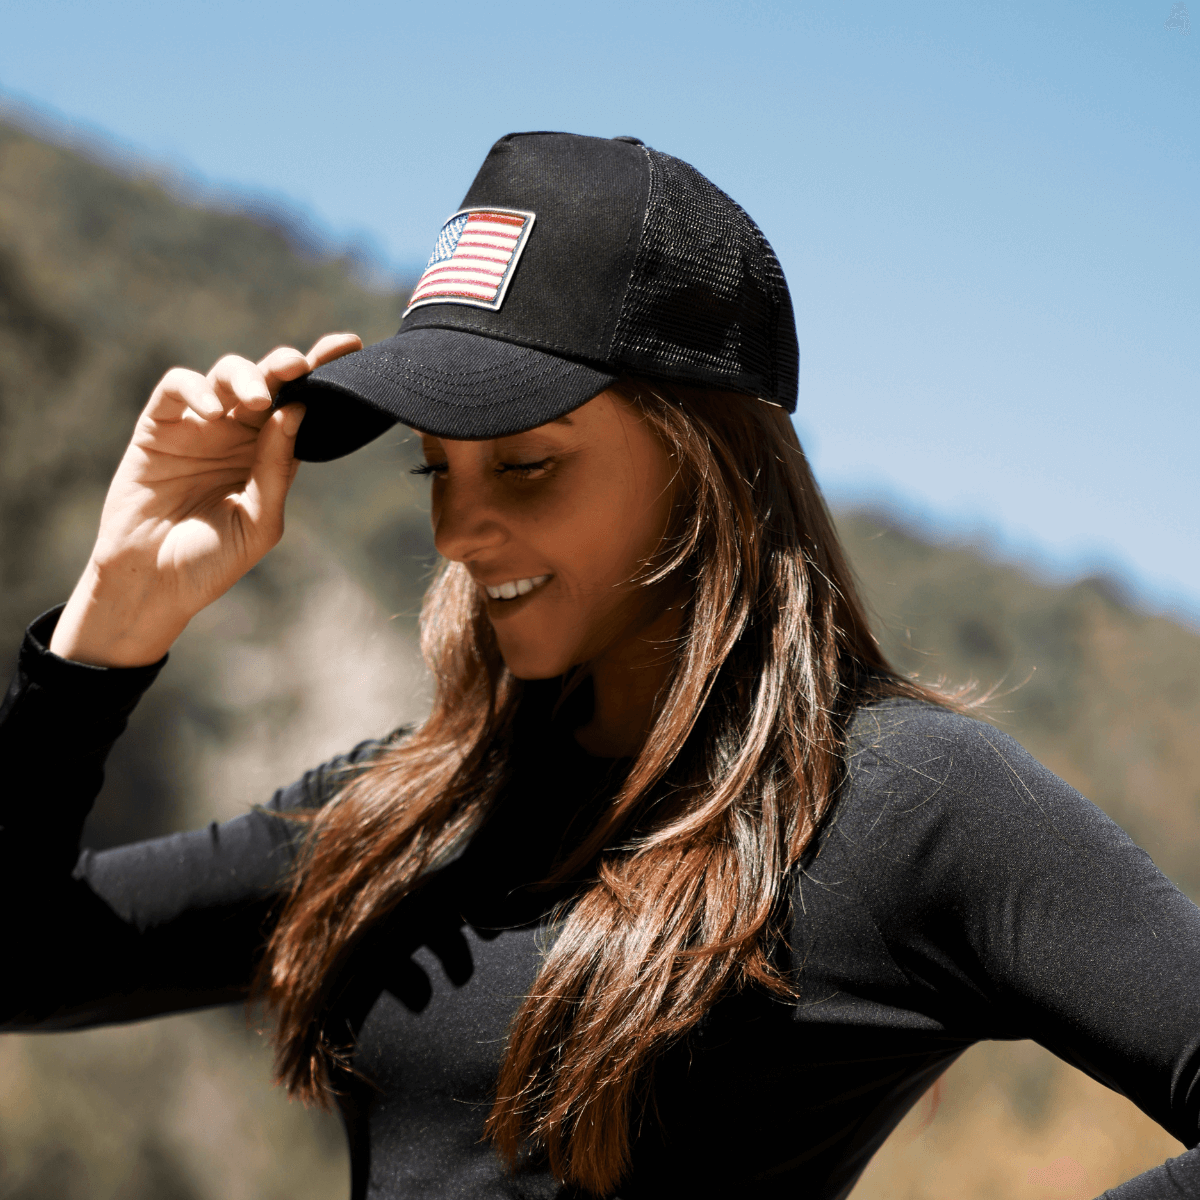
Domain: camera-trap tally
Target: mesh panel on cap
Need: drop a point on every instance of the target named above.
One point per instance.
(707, 295)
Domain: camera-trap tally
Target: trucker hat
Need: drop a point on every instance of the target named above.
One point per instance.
(572, 261)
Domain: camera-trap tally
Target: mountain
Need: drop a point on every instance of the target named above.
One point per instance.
(105, 283)
(106, 280)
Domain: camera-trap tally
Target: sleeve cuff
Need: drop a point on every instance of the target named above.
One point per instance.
(118, 686)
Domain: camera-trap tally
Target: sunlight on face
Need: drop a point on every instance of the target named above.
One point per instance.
(573, 508)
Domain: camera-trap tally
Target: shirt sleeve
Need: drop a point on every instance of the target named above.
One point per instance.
(153, 927)
(1017, 909)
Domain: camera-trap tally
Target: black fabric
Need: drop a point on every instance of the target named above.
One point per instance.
(588, 195)
(960, 892)
(707, 302)
(441, 381)
(635, 262)
(91, 707)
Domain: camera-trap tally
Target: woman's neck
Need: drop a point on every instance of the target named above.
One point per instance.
(627, 681)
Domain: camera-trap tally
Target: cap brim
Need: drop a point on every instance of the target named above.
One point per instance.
(445, 382)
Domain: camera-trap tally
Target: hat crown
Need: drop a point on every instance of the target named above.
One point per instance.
(637, 262)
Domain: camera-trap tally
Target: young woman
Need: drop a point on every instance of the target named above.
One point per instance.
(680, 889)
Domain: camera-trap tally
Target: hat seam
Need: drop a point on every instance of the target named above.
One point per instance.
(437, 378)
(570, 353)
(436, 400)
(613, 319)
(506, 371)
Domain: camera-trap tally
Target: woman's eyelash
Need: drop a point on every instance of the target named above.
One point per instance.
(523, 468)
(501, 468)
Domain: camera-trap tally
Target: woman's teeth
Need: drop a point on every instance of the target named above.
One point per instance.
(515, 587)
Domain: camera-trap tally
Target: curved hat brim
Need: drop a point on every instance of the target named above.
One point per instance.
(446, 382)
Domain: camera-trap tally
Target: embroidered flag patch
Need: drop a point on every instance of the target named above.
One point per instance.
(474, 258)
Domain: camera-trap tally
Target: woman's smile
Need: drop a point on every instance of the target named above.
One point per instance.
(555, 525)
(512, 589)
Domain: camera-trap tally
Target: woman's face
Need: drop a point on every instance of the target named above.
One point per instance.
(553, 524)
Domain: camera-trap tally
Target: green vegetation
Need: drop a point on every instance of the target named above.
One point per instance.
(105, 282)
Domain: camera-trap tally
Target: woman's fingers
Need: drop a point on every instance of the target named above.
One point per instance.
(282, 364)
(180, 390)
(240, 388)
(275, 463)
(285, 363)
(237, 380)
(331, 346)
(274, 469)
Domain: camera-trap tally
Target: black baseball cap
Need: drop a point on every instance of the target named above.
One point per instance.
(571, 261)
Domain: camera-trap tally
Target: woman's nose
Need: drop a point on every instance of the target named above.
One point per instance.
(465, 524)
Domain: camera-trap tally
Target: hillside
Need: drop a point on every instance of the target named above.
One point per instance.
(105, 281)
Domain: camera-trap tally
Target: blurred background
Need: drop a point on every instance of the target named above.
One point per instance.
(987, 216)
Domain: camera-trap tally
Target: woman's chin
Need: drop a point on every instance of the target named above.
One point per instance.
(527, 661)
(530, 671)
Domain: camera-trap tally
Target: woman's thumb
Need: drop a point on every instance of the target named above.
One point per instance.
(275, 467)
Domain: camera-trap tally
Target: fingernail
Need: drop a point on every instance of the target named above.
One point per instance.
(293, 415)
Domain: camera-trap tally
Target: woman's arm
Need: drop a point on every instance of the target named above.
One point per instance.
(154, 927)
(196, 501)
(1017, 909)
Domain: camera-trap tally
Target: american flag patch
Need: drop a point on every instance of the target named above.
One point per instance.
(474, 258)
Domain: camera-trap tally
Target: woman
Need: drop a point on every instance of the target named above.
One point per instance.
(680, 889)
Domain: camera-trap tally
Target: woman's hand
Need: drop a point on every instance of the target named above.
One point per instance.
(196, 502)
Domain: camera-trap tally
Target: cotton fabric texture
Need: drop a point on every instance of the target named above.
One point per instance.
(960, 892)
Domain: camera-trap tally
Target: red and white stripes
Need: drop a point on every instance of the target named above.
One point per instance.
(474, 258)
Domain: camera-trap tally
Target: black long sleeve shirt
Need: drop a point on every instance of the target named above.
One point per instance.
(959, 892)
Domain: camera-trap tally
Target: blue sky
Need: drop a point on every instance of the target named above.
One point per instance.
(987, 213)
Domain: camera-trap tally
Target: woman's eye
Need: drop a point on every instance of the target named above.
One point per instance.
(525, 469)
(428, 468)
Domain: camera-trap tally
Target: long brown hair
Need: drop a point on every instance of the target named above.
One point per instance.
(688, 865)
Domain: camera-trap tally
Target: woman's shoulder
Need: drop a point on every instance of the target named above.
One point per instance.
(910, 744)
(926, 783)
(899, 724)
(1007, 900)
